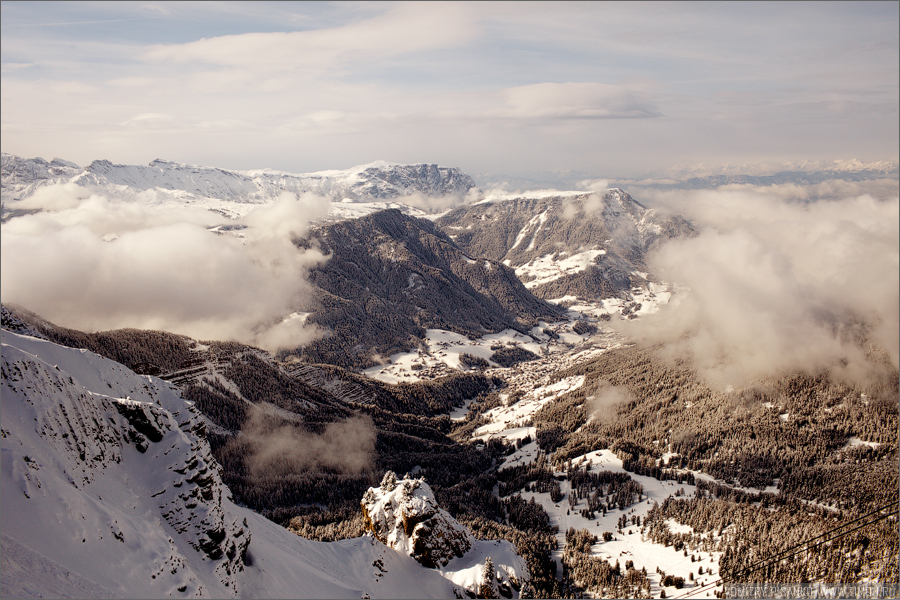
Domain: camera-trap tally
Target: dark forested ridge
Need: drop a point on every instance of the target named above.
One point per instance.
(790, 429)
(143, 351)
(391, 276)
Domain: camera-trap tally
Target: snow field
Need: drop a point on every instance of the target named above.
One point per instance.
(443, 348)
(545, 269)
(465, 571)
(630, 545)
(442, 352)
(507, 420)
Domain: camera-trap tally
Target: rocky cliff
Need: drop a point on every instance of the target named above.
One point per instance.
(404, 515)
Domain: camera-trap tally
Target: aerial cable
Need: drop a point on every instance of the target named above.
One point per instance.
(804, 546)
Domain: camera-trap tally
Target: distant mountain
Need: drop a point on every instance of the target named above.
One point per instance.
(583, 244)
(376, 181)
(782, 177)
(391, 276)
(698, 177)
(832, 167)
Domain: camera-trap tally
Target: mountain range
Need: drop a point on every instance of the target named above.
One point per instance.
(376, 181)
(468, 424)
(481, 268)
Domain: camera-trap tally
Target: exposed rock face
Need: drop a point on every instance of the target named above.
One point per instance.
(85, 412)
(585, 245)
(394, 181)
(22, 176)
(404, 515)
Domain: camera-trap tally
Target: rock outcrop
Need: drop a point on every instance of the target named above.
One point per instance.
(404, 515)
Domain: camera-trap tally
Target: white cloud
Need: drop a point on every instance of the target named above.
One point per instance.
(163, 269)
(577, 101)
(347, 446)
(156, 8)
(403, 28)
(774, 286)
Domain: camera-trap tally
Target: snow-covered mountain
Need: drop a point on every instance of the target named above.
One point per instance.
(832, 167)
(580, 244)
(377, 181)
(109, 489)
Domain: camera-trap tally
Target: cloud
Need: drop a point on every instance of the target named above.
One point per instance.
(577, 101)
(94, 263)
(436, 204)
(603, 403)
(594, 185)
(346, 446)
(156, 8)
(402, 29)
(771, 286)
(573, 208)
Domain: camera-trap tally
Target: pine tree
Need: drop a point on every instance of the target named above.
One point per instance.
(488, 586)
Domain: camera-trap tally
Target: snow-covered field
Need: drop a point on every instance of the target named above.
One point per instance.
(508, 422)
(441, 354)
(630, 544)
(545, 269)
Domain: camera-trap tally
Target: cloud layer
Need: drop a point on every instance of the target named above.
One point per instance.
(773, 285)
(95, 263)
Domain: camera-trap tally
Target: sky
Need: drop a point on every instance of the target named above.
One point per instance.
(610, 89)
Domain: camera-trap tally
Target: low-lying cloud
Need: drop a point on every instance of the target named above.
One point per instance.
(345, 446)
(436, 204)
(95, 263)
(593, 205)
(604, 402)
(774, 283)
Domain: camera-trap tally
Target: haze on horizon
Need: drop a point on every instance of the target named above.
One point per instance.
(609, 89)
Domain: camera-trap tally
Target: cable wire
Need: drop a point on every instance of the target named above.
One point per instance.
(804, 546)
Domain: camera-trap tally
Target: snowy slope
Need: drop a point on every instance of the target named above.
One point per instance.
(109, 490)
(22, 176)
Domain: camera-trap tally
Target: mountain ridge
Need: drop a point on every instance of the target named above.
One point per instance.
(589, 245)
(374, 181)
(391, 276)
